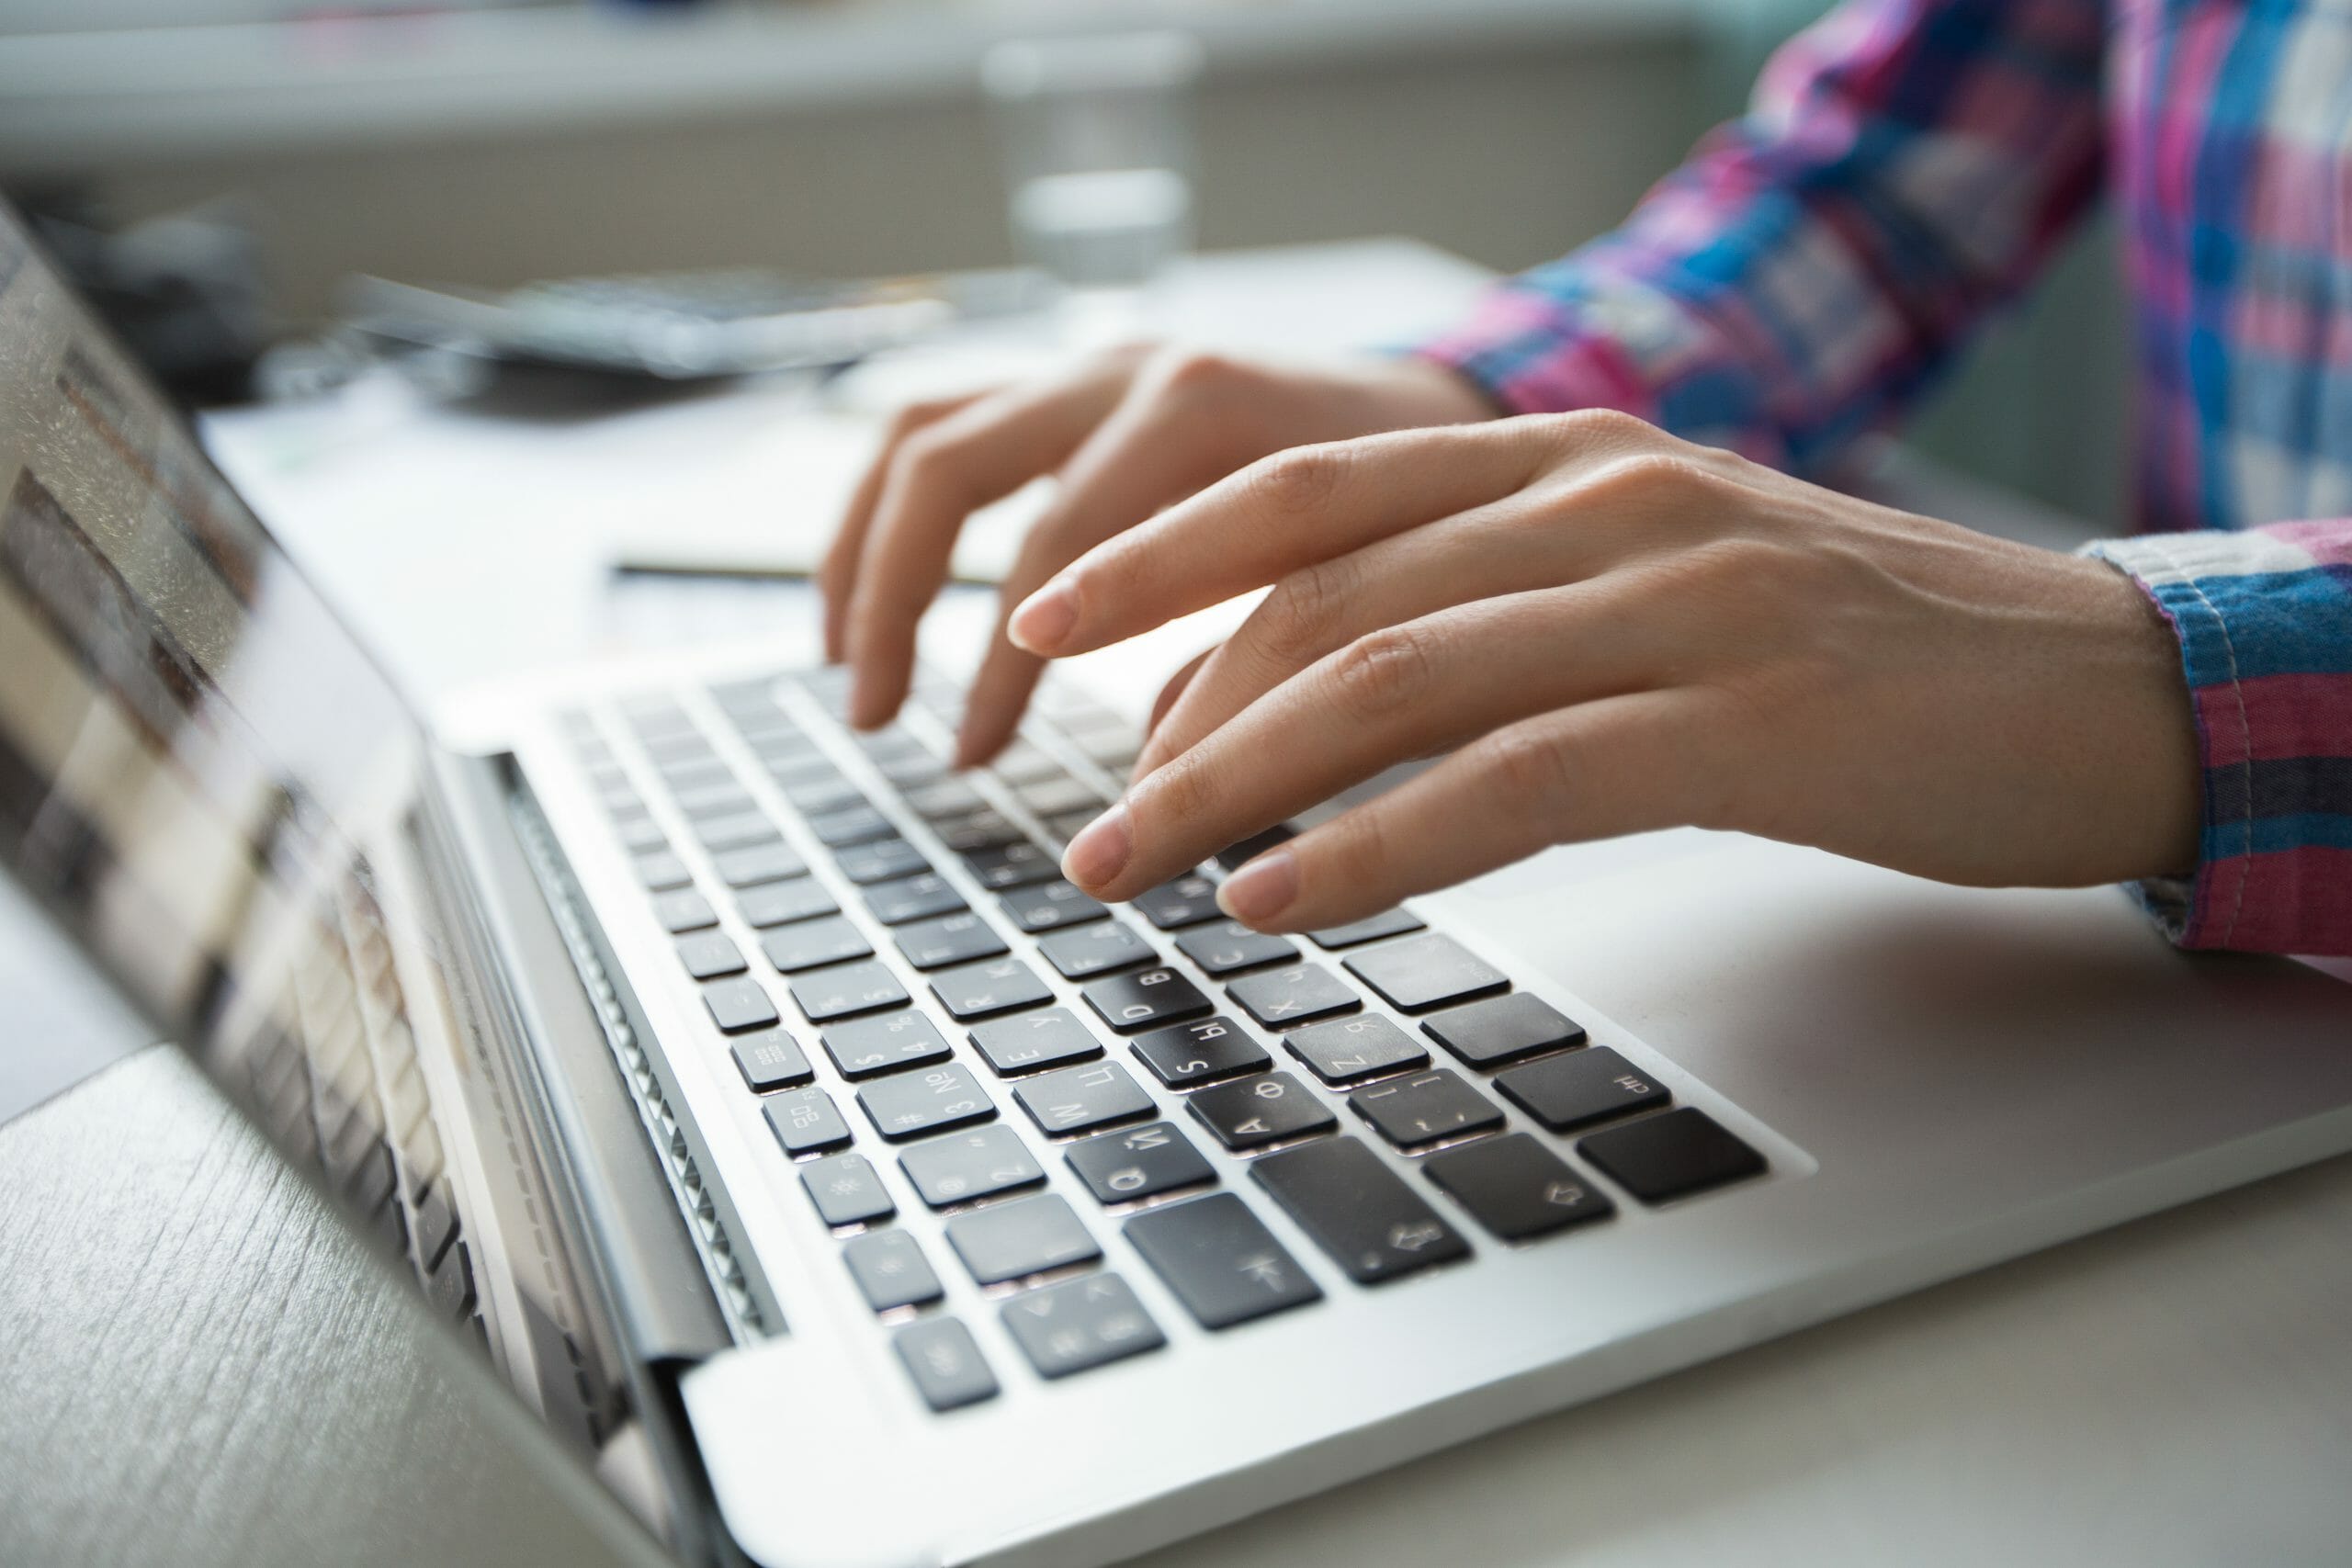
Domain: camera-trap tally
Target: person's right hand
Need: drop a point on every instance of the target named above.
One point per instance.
(1126, 434)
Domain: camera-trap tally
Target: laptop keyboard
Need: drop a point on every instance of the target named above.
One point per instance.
(1064, 1091)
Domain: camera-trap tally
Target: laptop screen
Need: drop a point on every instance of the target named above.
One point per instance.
(192, 748)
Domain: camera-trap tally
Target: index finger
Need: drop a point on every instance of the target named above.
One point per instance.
(1286, 512)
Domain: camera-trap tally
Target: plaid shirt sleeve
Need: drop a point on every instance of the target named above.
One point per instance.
(1906, 165)
(2265, 621)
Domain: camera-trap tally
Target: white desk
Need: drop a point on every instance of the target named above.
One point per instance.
(2175, 1391)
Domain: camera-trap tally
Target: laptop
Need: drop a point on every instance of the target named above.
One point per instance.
(848, 1191)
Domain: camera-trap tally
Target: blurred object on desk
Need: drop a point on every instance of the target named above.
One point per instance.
(1096, 134)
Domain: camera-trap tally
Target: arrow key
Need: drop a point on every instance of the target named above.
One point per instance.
(1517, 1188)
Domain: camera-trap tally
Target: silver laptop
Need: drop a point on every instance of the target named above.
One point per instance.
(848, 1190)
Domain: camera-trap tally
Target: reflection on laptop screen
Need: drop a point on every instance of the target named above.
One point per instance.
(195, 757)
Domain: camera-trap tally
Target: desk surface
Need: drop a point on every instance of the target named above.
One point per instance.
(196, 1368)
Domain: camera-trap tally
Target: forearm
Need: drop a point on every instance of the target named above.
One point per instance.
(2265, 624)
(1908, 165)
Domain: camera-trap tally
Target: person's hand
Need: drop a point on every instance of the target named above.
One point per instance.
(1127, 433)
(1613, 630)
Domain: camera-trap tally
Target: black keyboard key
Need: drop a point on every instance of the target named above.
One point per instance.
(1036, 1041)
(1142, 1162)
(1082, 1100)
(950, 939)
(1028, 1235)
(1187, 901)
(1100, 949)
(965, 1167)
(1356, 1209)
(737, 1005)
(451, 1287)
(1045, 906)
(891, 1271)
(1426, 1108)
(1233, 857)
(976, 831)
(812, 944)
(1580, 1088)
(1145, 999)
(1392, 922)
(983, 990)
(781, 903)
(1281, 998)
(1347, 1050)
(880, 861)
(863, 1046)
(709, 955)
(1064, 826)
(1671, 1156)
(846, 1191)
(1081, 1324)
(946, 1366)
(846, 989)
(1220, 1260)
(1252, 1113)
(930, 1100)
(771, 1060)
(806, 1122)
(760, 863)
(662, 871)
(685, 911)
(718, 834)
(1198, 1053)
(1503, 1029)
(1517, 1188)
(857, 825)
(916, 897)
(1426, 972)
(1017, 865)
(640, 834)
(1228, 947)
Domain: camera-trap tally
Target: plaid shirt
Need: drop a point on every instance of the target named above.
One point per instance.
(1908, 165)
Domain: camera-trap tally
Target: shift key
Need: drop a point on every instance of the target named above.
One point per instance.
(1358, 1210)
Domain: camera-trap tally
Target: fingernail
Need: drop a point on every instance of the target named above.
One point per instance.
(1045, 618)
(1101, 848)
(1262, 889)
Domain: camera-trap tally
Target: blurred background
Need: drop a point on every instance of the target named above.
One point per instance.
(492, 143)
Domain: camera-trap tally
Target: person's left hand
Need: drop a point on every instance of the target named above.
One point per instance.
(1613, 630)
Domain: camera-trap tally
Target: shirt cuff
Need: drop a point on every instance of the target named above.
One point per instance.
(2259, 617)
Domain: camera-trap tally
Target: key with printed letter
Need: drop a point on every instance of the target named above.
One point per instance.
(1252, 1113)
(1580, 1088)
(1187, 901)
(963, 938)
(1142, 1162)
(944, 1363)
(805, 1120)
(1079, 1324)
(1426, 1108)
(1035, 1041)
(1143, 1000)
(1279, 998)
(1228, 947)
(1098, 949)
(1347, 1049)
(845, 1190)
(1358, 1210)
(1079, 1100)
(1198, 1053)
(980, 990)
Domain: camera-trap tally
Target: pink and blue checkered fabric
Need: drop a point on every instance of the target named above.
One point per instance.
(1909, 164)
